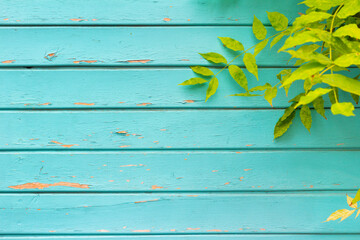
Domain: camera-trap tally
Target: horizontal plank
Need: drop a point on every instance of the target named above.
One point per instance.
(124, 46)
(172, 129)
(131, 88)
(180, 171)
(192, 237)
(144, 12)
(159, 213)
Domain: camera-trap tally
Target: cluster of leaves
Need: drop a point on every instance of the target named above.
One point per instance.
(345, 213)
(324, 40)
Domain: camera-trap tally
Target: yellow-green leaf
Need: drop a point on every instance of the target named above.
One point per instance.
(239, 76)
(351, 30)
(305, 116)
(213, 85)
(349, 202)
(350, 8)
(250, 64)
(342, 213)
(214, 57)
(232, 44)
(307, 53)
(357, 197)
(260, 88)
(276, 39)
(278, 20)
(322, 4)
(344, 83)
(348, 59)
(258, 29)
(312, 95)
(202, 70)
(344, 108)
(303, 72)
(283, 125)
(193, 81)
(270, 94)
(318, 104)
(260, 46)
(312, 17)
(288, 111)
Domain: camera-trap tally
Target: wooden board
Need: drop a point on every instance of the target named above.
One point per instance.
(144, 12)
(179, 171)
(109, 88)
(125, 46)
(171, 129)
(173, 213)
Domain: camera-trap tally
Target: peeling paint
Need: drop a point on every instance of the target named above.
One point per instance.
(156, 187)
(44, 104)
(193, 229)
(247, 169)
(153, 200)
(143, 104)
(102, 230)
(37, 185)
(189, 101)
(65, 145)
(78, 19)
(86, 104)
(167, 19)
(130, 165)
(214, 230)
(145, 230)
(139, 61)
(85, 61)
(122, 132)
(124, 146)
(8, 61)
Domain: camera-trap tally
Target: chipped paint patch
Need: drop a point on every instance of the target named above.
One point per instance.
(86, 104)
(37, 185)
(129, 165)
(8, 61)
(78, 19)
(143, 104)
(247, 169)
(124, 146)
(85, 61)
(122, 132)
(145, 230)
(189, 101)
(139, 61)
(44, 104)
(156, 187)
(65, 145)
(167, 19)
(153, 200)
(193, 229)
(186, 60)
(214, 230)
(102, 230)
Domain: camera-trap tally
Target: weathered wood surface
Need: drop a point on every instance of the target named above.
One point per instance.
(144, 12)
(109, 88)
(173, 213)
(170, 129)
(124, 46)
(180, 171)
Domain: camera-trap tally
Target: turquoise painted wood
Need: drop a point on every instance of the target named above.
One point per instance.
(173, 213)
(98, 141)
(124, 46)
(170, 130)
(142, 12)
(56, 88)
(179, 171)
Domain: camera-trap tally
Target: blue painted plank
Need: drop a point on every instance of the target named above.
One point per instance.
(131, 88)
(180, 171)
(172, 129)
(124, 46)
(191, 237)
(173, 213)
(144, 12)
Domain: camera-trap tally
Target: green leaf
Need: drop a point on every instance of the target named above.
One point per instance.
(278, 20)
(214, 57)
(305, 19)
(245, 95)
(296, 99)
(270, 94)
(344, 108)
(333, 98)
(312, 95)
(350, 30)
(288, 111)
(260, 88)
(307, 53)
(238, 75)
(283, 125)
(202, 70)
(193, 81)
(318, 104)
(250, 64)
(303, 72)
(232, 44)
(260, 46)
(356, 198)
(322, 4)
(276, 39)
(258, 29)
(213, 85)
(350, 8)
(344, 83)
(305, 116)
(348, 59)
